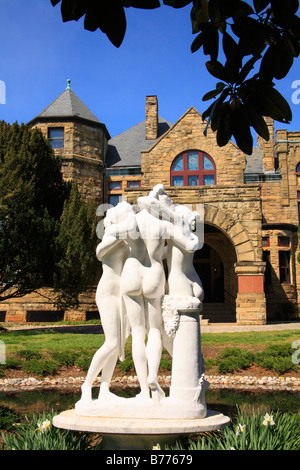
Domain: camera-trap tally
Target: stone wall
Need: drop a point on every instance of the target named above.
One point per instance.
(187, 134)
(82, 156)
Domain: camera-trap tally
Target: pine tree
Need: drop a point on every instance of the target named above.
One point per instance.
(47, 231)
(77, 265)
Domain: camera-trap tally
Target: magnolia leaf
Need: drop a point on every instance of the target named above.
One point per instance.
(224, 128)
(217, 69)
(260, 5)
(213, 93)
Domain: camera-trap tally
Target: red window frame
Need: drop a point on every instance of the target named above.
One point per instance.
(283, 241)
(265, 241)
(200, 173)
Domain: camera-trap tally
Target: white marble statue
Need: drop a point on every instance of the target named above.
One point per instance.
(135, 297)
(112, 252)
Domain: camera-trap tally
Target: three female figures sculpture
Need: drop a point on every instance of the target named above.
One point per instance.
(134, 295)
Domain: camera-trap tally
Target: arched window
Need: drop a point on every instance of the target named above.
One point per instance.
(298, 168)
(193, 168)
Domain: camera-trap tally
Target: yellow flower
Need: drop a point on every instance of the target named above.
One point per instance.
(240, 429)
(44, 426)
(268, 420)
(157, 447)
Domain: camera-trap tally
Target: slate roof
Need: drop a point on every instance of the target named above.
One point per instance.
(67, 105)
(254, 162)
(124, 150)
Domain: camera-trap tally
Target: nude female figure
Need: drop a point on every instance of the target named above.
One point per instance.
(113, 252)
(142, 288)
(183, 279)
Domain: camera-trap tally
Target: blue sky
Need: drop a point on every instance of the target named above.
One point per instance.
(39, 53)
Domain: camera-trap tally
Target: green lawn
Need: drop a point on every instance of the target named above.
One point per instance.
(44, 352)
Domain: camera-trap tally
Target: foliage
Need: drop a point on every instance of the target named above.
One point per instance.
(266, 35)
(31, 198)
(41, 367)
(76, 265)
(7, 417)
(47, 231)
(254, 431)
(233, 359)
(38, 433)
(28, 354)
(277, 358)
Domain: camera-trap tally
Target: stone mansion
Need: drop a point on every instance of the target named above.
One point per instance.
(248, 264)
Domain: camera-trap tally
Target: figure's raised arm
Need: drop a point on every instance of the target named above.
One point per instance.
(108, 243)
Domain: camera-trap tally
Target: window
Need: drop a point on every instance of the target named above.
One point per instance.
(114, 199)
(283, 241)
(265, 241)
(284, 267)
(133, 184)
(193, 168)
(298, 197)
(113, 185)
(56, 137)
(298, 168)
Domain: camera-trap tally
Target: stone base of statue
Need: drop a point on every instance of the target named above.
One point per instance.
(139, 433)
(141, 423)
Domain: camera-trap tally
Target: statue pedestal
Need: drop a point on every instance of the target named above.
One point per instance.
(139, 433)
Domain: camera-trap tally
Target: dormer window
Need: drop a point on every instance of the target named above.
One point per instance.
(193, 168)
(56, 137)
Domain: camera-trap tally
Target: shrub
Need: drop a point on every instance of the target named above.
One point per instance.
(83, 361)
(65, 358)
(41, 367)
(29, 354)
(277, 357)
(234, 359)
(7, 417)
(126, 366)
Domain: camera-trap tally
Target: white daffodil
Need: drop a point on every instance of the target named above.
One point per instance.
(240, 429)
(44, 426)
(157, 447)
(268, 420)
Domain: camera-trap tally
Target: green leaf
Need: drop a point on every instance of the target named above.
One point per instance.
(217, 69)
(224, 128)
(256, 120)
(198, 42)
(241, 130)
(253, 35)
(177, 3)
(214, 93)
(269, 102)
(249, 65)
(260, 5)
(144, 4)
(199, 15)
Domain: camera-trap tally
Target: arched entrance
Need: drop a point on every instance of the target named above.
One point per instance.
(210, 269)
(215, 265)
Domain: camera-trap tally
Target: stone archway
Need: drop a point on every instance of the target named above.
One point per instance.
(247, 268)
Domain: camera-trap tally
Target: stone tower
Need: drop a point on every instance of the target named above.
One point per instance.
(79, 138)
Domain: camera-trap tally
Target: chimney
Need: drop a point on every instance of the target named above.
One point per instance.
(151, 117)
(268, 147)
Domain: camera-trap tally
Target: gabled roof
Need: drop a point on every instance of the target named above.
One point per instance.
(67, 106)
(124, 150)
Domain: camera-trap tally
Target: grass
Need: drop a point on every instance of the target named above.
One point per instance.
(250, 430)
(45, 352)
